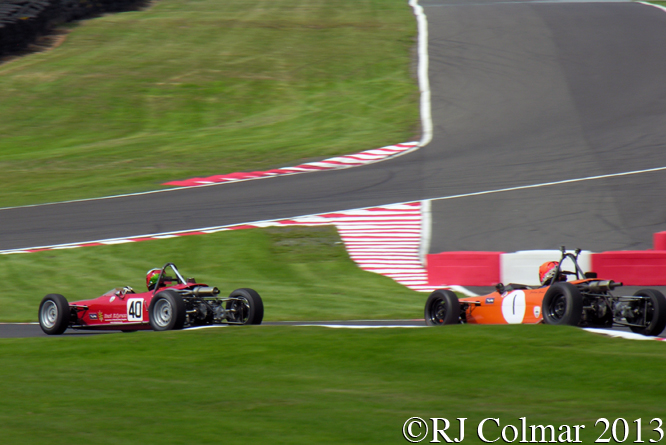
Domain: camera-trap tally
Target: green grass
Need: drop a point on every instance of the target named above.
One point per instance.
(301, 273)
(264, 384)
(190, 88)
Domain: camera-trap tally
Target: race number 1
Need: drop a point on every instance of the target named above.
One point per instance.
(135, 309)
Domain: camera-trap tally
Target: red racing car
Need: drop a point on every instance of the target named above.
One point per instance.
(172, 302)
(584, 301)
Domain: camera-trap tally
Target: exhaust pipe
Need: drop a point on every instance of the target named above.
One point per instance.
(205, 291)
(603, 286)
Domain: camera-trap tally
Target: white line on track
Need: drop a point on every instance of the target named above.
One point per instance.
(524, 2)
(553, 183)
(424, 81)
(331, 326)
(606, 332)
(344, 326)
(622, 334)
(653, 5)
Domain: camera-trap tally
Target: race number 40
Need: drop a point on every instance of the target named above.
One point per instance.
(135, 309)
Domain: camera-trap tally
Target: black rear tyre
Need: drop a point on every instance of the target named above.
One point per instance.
(562, 305)
(54, 314)
(442, 307)
(656, 312)
(167, 311)
(245, 308)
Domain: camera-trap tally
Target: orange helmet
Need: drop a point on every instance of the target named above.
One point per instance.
(151, 278)
(547, 271)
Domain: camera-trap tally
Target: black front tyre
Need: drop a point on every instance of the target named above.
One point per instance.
(442, 307)
(656, 312)
(245, 307)
(562, 305)
(54, 314)
(167, 311)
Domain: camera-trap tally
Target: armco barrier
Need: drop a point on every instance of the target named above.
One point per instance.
(633, 268)
(464, 268)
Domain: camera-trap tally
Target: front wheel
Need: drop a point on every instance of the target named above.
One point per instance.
(54, 314)
(167, 311)
(562, 305)
(654, 312)
(245, 307)
(442, 307)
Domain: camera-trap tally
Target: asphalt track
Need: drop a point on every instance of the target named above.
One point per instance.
(523, 93)
(27, 330)
(529, 93)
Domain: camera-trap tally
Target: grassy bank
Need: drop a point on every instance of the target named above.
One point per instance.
(190, 88)
(315, 385)
(301, 273)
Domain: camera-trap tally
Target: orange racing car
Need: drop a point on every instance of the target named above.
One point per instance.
(584, 301)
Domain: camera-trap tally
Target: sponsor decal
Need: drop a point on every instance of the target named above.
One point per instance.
(109, 318)
(490, 300)
(537, 311)
(111, 299)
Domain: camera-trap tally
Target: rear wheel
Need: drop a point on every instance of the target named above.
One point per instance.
(562, 305)
(654, 312)
(167, 311)
(54, 314)
(245, 307)
(442, 307)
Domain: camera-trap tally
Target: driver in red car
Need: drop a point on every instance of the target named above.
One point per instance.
(151, 278)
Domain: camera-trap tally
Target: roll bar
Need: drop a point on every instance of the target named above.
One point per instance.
(574, 257)
(163, 277)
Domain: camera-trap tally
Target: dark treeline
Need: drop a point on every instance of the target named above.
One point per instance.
(23, 21)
